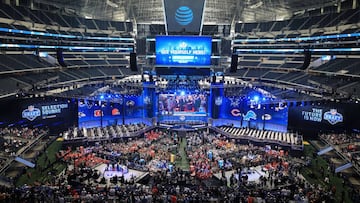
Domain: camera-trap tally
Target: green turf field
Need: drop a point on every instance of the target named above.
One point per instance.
(183, 162)
(40, 173)
(316, 164)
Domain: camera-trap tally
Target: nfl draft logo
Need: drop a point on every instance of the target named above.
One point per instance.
(31, 113)
(333, 117)
(218, 101)
(147, 100)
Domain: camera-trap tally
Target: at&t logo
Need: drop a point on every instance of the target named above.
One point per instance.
(184, 15)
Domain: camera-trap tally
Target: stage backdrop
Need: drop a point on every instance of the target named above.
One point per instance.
(57, 113)
(103, 113)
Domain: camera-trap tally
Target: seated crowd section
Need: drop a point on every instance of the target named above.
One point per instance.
(347, 16)
(346, 144)
(14, 139)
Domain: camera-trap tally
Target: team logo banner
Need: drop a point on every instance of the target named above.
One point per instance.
(184, 15)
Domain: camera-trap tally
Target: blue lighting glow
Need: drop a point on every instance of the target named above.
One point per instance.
(285, 50)
(182, 93)
(256, 98)
(64, 36)
(337, 36)
(102, 97)
(83, 48)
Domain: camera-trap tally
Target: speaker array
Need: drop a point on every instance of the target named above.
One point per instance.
(133, 63)
(234, 63)
(60, 57)
(307, 60)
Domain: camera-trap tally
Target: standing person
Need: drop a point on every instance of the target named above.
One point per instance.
(197, 103)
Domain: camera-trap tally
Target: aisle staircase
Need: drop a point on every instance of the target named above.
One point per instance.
(343, 167)
(325, 150)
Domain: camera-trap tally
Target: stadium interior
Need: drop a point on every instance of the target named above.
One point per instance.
(180, 101)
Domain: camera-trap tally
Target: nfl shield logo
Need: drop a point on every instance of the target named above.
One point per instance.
(218, 101)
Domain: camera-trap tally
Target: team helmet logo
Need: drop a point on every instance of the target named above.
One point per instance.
(98, 113)
(250, 115)
(235, 112)
(81, 114)
(31, 113)
(130, 103)
(234, 102)
(115, 112)
(333, 117)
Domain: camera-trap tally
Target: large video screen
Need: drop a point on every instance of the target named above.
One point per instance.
(183, 105)
(183, 51)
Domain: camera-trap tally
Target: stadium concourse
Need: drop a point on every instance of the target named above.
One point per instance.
(179, 101)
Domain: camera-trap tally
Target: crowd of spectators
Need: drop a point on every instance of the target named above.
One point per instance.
(341, 138)
(347, 144)
(280, 180)
(13, 139)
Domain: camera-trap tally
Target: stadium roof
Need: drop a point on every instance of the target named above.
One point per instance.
(216, 11)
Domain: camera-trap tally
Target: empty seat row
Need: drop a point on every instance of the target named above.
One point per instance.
(103, 132)
(263, 135)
